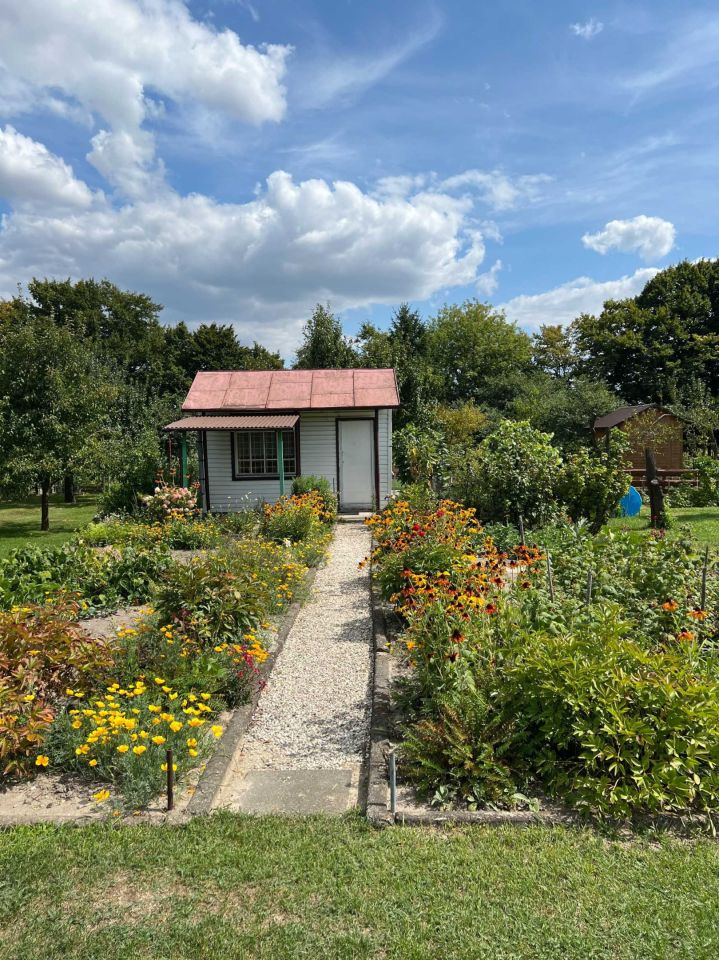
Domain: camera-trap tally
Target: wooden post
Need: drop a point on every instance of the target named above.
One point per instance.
(281, 461)
(170, 781)
(656, 494)
(183, 460)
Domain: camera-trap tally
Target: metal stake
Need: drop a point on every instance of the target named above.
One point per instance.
(170, 781)
(392, 783)
(550, 577)
(521, 530)
(703, 604)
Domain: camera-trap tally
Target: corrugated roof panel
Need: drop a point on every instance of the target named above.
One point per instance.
(272, 421)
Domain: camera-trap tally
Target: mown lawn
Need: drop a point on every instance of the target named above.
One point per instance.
(702, 521)
(234, 887)
(20, 522)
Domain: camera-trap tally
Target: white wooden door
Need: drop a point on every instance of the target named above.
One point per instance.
(356, 456)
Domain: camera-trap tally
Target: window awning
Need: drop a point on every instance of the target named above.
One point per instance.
(285, 421)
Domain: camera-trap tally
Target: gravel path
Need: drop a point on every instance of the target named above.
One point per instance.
(314, 713)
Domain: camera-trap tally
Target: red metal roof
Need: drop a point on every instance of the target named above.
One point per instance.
(292, 390)
(260, 422)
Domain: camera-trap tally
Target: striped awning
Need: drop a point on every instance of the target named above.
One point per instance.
(285, 421)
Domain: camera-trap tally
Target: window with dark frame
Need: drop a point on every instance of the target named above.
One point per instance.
(256, 453)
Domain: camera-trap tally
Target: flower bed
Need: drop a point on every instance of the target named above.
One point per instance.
(107, 710)
(604, 692)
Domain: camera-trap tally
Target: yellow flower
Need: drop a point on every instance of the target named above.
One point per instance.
(153, 708)
(93, 762)
(159, 681)
(42, 760)
(76, 724)
(158, 740)
(205, 696)
(123, 748)
(191, 742)
(29, 698)
(101, 796)
(164, 767)
(216, 730)
(175, 726)
(139, 750)
(193, 753)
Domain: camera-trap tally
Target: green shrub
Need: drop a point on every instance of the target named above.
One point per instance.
(224, 595)
(592, 482)
(516, 471)
(614, 728)
(309, 483)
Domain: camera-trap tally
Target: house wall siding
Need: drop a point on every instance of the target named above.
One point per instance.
(318, 456)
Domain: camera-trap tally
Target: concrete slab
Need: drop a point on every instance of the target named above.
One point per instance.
(294, 792)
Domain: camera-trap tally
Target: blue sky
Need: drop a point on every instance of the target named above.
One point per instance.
(241, 160)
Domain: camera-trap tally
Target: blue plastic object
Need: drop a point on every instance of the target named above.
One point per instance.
(631, 503)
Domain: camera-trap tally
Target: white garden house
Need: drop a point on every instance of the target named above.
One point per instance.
(256, 430)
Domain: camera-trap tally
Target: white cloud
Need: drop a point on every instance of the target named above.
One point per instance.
(650, 237)
(565, 302)
(498, 189)
(260, 265)
(488, 282)
(31, 176)
(588, 29)
(118, 59)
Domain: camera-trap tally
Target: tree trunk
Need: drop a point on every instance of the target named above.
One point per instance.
(656, 494)
(45, 505)
(69, 488)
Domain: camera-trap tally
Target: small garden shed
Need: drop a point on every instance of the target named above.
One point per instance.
(256, 430)
(648, 425)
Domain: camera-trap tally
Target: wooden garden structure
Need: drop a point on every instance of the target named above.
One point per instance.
(658, 429)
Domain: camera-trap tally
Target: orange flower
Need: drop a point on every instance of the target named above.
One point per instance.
(685, 634)
(670, 605)
(698, 614)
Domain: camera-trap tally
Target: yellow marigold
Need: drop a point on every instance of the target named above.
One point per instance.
(195, 722)
(139, 750)
(123, 748)
(175, 726)
(93, 762)
(158, 740)
(41, 760)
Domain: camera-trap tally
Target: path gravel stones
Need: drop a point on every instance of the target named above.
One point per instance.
(314, 713)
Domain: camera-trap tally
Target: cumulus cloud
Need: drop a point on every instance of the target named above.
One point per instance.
(590, 28)
(31, 176)
(565, 302)
(120, 59)
(650, 237)
(496, 188)
(260, 265)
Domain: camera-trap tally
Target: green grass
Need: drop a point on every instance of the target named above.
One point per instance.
(20, 522)
(703, 522)
(233, 887)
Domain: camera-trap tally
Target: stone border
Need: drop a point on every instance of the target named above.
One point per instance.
(211, 779)
(377, 808)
